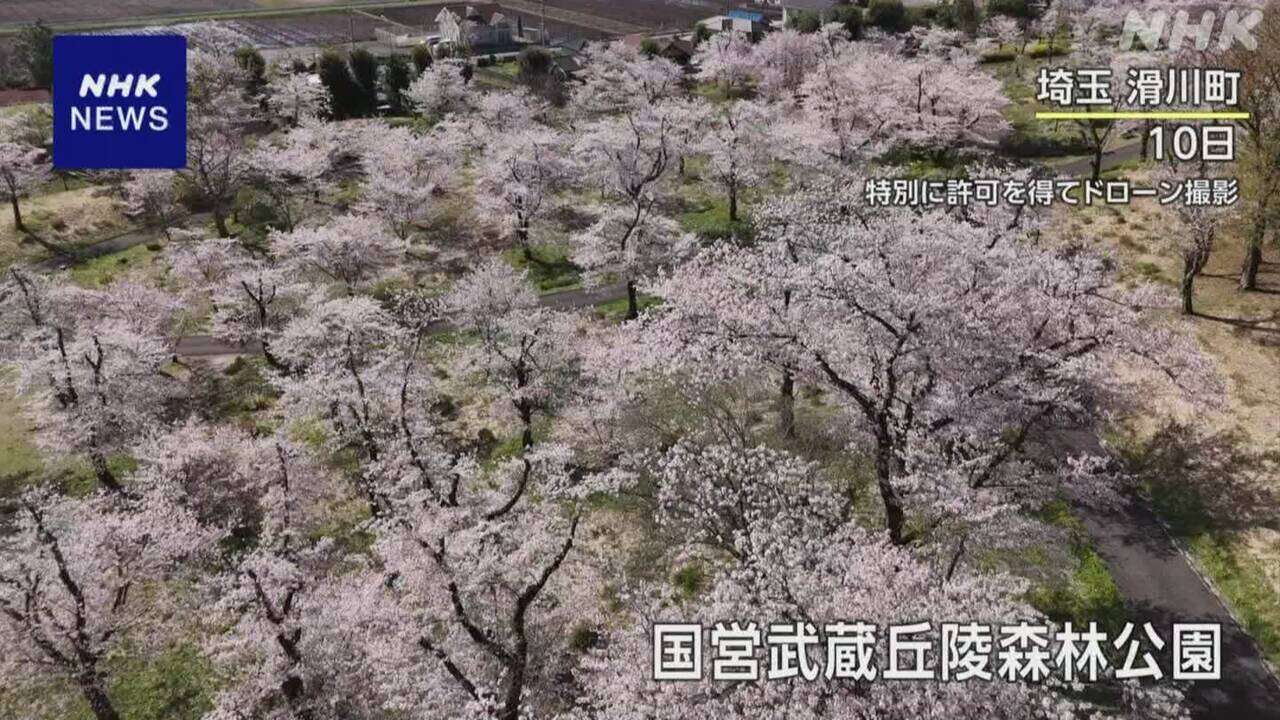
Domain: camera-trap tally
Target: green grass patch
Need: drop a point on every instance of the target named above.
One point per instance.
(1032, 138)
(100, 271)
(616, 310)
(1150, 272)
(549, 266)
(1218, 551)
(19, 457)
(708, 218)
(178, 683)
(1088, 593)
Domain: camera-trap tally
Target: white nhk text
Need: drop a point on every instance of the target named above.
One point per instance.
(108, 118)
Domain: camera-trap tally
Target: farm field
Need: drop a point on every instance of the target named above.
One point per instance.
(61, 11)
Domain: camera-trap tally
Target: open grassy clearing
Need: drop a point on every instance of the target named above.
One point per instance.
(140, 262)
(19, 457)
(69, 219)
(1032, 138)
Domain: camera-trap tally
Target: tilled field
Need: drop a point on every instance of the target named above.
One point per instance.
(650, 14)
(66, 11)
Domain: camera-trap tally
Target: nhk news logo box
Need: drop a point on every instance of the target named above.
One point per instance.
(119, 102)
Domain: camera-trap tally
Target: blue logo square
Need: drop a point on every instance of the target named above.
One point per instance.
(119, 102)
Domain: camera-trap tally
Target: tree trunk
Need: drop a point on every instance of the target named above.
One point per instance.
(1096, 163)
(1188, 288)
(96, 696)
(515, 687)
(633, 305)
(787, 405)
(522, 235)
(733, 203)
(106, 478)
(220, 222)
(895, 515)
(17, 214)
(1253, 254)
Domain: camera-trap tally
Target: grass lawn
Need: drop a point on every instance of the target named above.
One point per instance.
(501, 76)
(550, 269)
(18, 456)
(104, 270)
(1032, 138)
(69, 218)
(1086, 593)
(615, 311)
(708, 218)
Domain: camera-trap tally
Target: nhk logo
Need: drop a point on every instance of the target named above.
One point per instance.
(120, 102)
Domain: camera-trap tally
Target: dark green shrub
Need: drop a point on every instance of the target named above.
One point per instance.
(421, 55)
(1013, 8)
(805, 21)
(888, 15)
(850, 16)
(344, 94)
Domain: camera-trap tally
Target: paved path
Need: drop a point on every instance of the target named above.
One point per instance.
(1160, 587)
(1113, 158)
(116, 243)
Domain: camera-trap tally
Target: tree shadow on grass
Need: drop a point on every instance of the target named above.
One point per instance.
(1205, 481)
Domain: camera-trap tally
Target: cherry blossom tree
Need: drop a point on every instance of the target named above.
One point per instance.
(496, 116)
(628, 157)
(293, 97)
(739, 145)
(525, 352)
(352, 250)
(864, 100)
(869, 306)
(253, 303)
(440, 90)
(726, 59)
(764, 524)
(518, 177)
(294, 167)
(153, 195)
(266, 595)
(22, 169)
(618, 78)
(1197, 230)
(362, 370)
(472, 597)
(782, 59)
(1097, 134)
(404, 170)
(217, 148)
(91, 361)
(75, 575)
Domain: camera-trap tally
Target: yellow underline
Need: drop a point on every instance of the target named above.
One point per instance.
(1173, 115)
